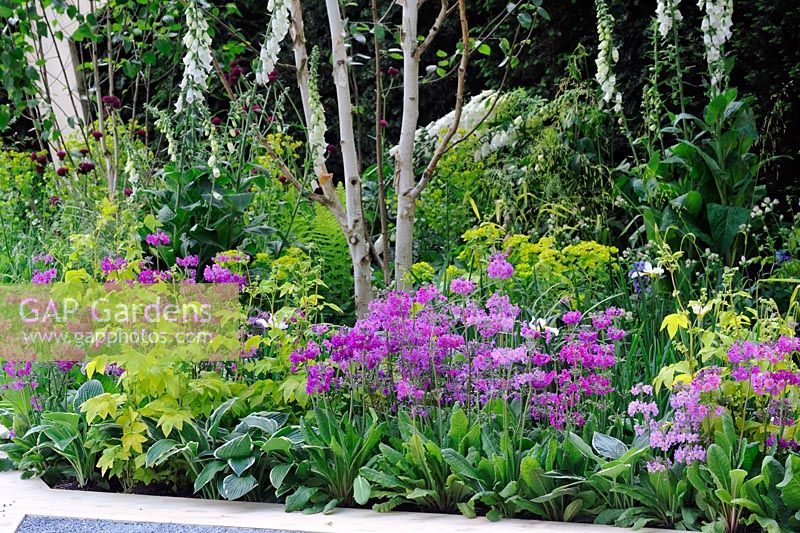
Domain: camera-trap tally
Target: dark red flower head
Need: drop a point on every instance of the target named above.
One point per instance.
(84, 151)
(330, 148)
(97, 134)
(272, 76)
(383, 122)
(216, 121)
(62, 171)
(283, 179)
(41, 159)
(61, 155)
(127, 191)
(392, 71)
(55, 199)
(140, 133)
(112, 101)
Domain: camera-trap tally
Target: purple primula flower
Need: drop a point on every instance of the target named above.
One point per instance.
(109, 265)
(462, 286)
(571, 317)
(218, 274)
(44, 277)
(499, 268)
(190, 261)
(159, 238)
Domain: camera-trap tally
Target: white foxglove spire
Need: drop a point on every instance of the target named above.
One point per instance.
(717, 25)
(278, 28)
(607, 57)
(317, 127)
(667, 14)
(197, 61)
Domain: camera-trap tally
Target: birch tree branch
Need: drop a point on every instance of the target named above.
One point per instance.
(462, 76)
(433, 31)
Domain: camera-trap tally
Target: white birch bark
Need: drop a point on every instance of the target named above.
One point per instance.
(406, 203)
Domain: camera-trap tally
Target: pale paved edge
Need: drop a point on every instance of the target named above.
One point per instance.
(32, 497)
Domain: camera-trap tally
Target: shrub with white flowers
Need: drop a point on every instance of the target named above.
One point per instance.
(717, 25)
(197, 61)
(278, 28)
(607, 57)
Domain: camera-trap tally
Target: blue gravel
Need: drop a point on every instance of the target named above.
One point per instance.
(51, 524)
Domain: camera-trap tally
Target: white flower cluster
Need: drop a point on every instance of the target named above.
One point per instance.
(667, 14)
(607, 57)
(499, 139)
(278, 28)
(716, 26)
(197, 61)
(317, 128)
(472, 113)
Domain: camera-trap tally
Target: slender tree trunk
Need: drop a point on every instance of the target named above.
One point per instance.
(356, 229)
(384, 216)
(406, 204)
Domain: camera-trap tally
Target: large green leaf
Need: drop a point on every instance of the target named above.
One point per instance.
(459, 425)
(608, 446)
(299, 498)
(240, 464)
(724, 222)
(207, 474)
(361, 490)
(278, 474)
(719, 464)
(216, 417)
(459, 464)
(160, 451)
(240, 446)
(277, 444)
(790, 486)
(90, 389)
(234, 487)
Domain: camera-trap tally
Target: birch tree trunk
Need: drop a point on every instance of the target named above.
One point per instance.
(406, 203)
(356, 230)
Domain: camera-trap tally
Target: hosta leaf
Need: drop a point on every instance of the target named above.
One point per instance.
(234, 487)
(207, 474)
(278, 474)
(608, 446)
(280, 444)
(88, 390)
(216, 417)
(240, 446)
(239, 465)
(160, 451)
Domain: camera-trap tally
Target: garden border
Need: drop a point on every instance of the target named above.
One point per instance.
(32, 497)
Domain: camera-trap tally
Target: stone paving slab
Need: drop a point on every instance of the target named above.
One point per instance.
(20, 498)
